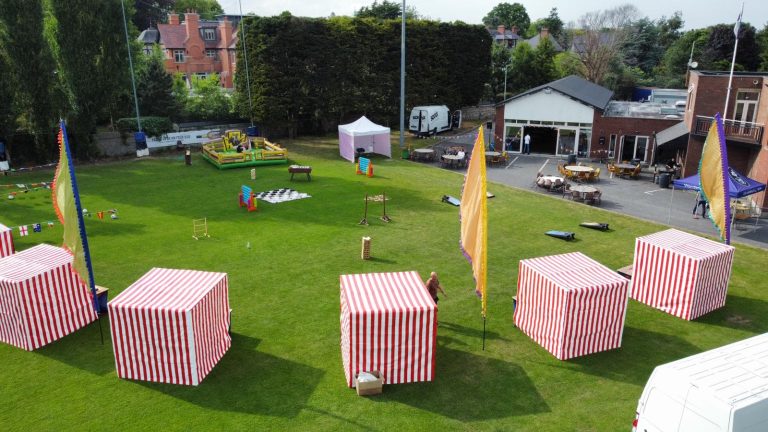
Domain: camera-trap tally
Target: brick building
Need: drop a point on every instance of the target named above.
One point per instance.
(196, 47)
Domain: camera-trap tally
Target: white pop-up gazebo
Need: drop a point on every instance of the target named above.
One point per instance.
(366, 135)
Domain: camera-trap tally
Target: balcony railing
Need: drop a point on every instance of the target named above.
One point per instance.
(746, 132)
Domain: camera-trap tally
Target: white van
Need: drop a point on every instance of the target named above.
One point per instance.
(430, 120)
(723, 390)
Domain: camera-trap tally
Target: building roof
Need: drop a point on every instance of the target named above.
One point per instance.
(653, 110)
(172, 36)
(671, 133)
(149, 36)
(534, 42)
(576, 88)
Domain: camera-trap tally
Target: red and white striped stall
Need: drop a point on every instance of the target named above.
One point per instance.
(680, 273)
(6, 241)
(388, 324)
(171, 326)
(570, 304)
(41, 297)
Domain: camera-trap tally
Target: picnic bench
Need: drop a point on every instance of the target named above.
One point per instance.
(294, 169)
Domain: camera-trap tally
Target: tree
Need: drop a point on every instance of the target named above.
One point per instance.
(568, 63)
(93, 63)
(762, 42)
(208, 100)
(207, 9)
(154, 88)
(719, 49)
(523, 68)
(29, 62)
(509, 15)
(501, 61)
(602, 35)
(149, 13)
(642, 48)
(674, 63)
(670, 29)
(553, 23)
(386, 10)
(544, 62)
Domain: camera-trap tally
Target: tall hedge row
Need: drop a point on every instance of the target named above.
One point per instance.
(310, 74)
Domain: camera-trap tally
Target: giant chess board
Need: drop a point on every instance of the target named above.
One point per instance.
(275, 196)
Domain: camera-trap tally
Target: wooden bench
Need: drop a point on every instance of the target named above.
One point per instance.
(293, 169)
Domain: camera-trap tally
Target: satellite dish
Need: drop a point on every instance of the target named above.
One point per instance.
(693, 65)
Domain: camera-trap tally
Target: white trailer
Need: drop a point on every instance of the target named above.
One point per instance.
(723, 390)
(433, 119)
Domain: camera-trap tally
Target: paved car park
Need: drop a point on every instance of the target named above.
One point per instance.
(641, 198)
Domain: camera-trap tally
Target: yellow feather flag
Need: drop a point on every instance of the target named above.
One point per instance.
(474, 218)
(714, 180)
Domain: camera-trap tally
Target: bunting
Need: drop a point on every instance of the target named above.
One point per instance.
(713, 178)
(474, 218)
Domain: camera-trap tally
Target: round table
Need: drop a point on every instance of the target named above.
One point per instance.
(492, 154)
(424, 153)
(624, 166)
(453, 160)
(579, 168)
(584, 189)
(549, 181)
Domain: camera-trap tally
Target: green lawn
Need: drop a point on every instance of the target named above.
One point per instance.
(284, 368)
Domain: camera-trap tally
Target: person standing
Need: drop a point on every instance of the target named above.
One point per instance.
(433, 286)
(527, 144)
(700, 202)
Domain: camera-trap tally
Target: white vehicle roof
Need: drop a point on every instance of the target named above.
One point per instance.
(736, 374)
(430, 107)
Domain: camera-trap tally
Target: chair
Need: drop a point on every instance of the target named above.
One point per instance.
(576, 196)
(636, 173)
(612, 170)
(596, 175)
(566, 189)
(594, 197)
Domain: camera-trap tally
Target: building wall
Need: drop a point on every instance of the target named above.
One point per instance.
(195, 60)
(554, 107)
(707, 97)
(620, 126)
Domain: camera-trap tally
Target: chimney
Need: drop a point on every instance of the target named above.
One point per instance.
(192, 21)
(173, 19)
(544, 32)
(501, 29)
(515, 29)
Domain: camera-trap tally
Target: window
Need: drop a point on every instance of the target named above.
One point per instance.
(210, 53)
(612, 146)
(209, 34)
(178, 56)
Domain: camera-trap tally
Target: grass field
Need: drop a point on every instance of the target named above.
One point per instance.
(284, 370)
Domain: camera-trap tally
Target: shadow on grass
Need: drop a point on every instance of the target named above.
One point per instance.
(461, 378)
(739, 313)
(83, 349)
(249, 381)
(476, 333)
(640, 352)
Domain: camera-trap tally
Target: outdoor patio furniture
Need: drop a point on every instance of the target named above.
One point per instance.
(636, 172)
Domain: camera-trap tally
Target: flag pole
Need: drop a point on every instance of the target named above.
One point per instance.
(81, 228)
(736, 29)
(483, 332)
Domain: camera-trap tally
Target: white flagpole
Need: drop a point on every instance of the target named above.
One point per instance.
(733, 61)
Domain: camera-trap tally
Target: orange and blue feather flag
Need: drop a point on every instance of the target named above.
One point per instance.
(66, 202)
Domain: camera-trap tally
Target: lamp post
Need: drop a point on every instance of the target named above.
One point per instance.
(402, 78)
(139, 137)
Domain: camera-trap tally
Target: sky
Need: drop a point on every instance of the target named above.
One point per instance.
(696, 13)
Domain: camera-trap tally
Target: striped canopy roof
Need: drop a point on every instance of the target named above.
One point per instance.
(168, 289)
(33, 262)
(685, 244)
(573, 271)
(385, 292)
